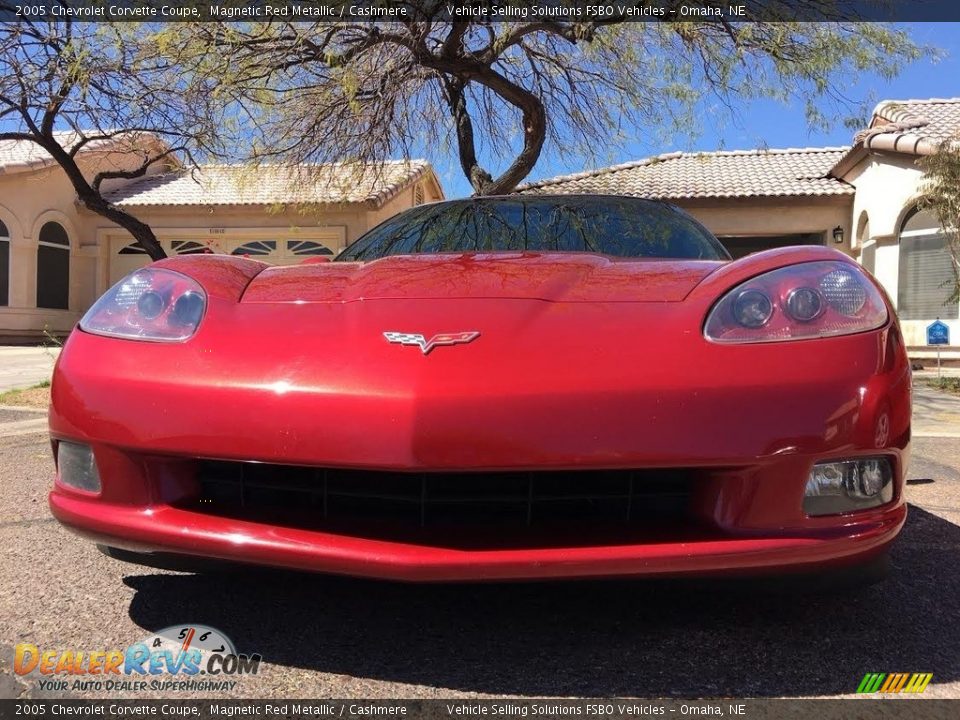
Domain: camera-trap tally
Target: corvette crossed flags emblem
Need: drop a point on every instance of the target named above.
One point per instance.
(437, 340)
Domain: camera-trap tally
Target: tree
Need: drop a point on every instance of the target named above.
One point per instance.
(941, 189)
(330, 91)
(941, 194)
(72, 88)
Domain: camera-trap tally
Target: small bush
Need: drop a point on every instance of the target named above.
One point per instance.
(947, 384)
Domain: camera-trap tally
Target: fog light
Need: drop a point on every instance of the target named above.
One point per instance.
(848, 485)
(77, 467)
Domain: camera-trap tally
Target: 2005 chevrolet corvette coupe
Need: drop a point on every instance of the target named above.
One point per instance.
(500, 388)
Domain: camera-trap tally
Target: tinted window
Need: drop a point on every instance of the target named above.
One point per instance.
(53, 267)
(53, 277)
(4, 267)
(624, 227)
(53, 232)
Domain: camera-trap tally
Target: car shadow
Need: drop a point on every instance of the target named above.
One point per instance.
(597, 638)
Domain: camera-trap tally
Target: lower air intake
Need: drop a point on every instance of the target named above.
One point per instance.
(469, 509)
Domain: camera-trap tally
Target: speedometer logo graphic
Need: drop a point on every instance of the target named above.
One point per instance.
(181, 639)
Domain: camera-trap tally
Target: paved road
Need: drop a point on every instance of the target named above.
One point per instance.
(323, 636)
(25, 366)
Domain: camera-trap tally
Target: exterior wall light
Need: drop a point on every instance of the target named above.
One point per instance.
(838, 235)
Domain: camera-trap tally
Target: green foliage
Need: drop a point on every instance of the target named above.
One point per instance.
(941, 195)
(50, 340)
(351, 92)
(364, 92)
(125, 85)
(947, 384)
(942, 188)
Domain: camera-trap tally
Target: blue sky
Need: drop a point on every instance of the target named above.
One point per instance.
(770, 123)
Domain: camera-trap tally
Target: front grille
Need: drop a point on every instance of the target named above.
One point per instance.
(463, 509)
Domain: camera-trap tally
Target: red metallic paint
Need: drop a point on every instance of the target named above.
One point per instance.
(582, 362)
(571, 277)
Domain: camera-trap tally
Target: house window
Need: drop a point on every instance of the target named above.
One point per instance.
(189, 247)
(4, 265)
(134, 248)
(927, 279)
(256, 247)
(53, 267)
(307, 247)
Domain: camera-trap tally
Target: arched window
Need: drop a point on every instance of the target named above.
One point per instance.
(926, 280)
(307, 247)
(4, 264)
(53, 267)
(256, 247)
(189, 247)
(134, 248)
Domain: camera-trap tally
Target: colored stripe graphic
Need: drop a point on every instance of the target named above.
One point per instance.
(871, 682)
(894, 682)
(918, 682)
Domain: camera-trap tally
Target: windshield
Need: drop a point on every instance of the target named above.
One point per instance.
(619, 226)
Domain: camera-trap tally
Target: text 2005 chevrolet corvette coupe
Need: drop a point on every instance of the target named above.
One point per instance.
(518, 387)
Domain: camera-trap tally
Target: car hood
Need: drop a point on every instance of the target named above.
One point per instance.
(556, 277)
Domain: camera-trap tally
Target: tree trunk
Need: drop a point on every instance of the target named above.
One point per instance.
(141, 232)
(94, 201)
(534, 118)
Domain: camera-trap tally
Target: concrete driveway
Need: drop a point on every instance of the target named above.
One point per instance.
(935, 413)
(22, 367)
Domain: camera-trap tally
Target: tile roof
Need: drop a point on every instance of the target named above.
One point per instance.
(724, 174)
(273, 185)
(912, 126)
(17, 155)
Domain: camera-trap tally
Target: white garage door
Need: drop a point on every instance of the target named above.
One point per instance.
(125, 257)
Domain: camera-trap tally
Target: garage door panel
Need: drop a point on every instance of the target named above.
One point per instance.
(276, 248)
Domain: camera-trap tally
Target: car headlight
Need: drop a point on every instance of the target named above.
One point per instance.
(150, 304)
(810, 300)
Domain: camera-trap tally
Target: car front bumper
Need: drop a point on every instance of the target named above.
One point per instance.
(171, 530)
(749, 433)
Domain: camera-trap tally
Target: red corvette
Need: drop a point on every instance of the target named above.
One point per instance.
(518, 387)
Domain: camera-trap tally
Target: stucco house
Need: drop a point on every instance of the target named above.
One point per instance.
(56, 257)
(860, 199)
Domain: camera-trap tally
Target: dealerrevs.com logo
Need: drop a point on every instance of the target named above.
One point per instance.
(178, 658)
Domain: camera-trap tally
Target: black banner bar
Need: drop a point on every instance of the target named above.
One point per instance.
(480, 10)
